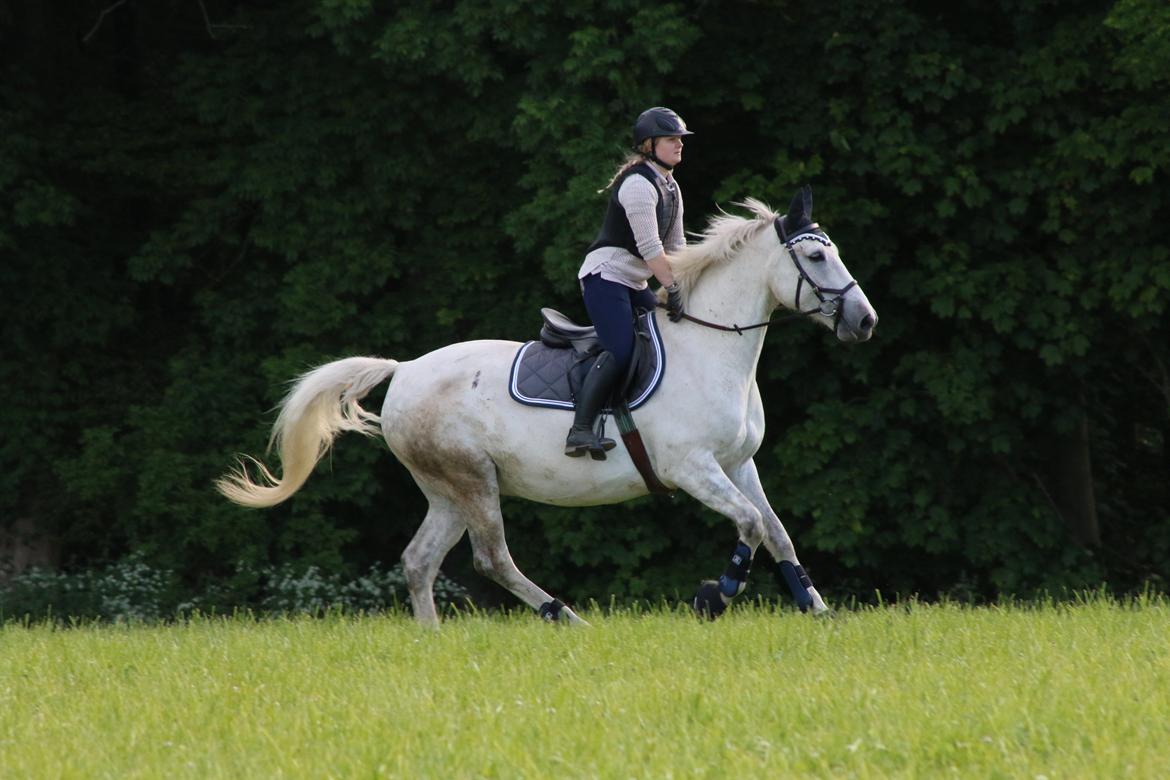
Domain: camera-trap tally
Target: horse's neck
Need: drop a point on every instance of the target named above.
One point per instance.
(732, 293)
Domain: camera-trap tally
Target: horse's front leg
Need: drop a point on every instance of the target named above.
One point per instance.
(703, 478)
(776, 539)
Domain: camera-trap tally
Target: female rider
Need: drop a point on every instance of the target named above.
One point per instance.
(643, 225)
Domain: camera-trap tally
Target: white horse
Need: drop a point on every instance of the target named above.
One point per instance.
(449, 419)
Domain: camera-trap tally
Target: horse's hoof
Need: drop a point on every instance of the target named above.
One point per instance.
(550, 611)
(708, 602)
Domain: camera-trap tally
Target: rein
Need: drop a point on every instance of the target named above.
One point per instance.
(733, 328)
(830, 307)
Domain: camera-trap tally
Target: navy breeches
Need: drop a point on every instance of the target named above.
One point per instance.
(611, 307)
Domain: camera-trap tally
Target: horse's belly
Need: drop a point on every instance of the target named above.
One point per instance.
(542, 476)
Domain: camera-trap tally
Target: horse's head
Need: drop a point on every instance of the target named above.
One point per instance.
(809, 276)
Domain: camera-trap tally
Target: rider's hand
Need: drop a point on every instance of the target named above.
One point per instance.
(674, 304)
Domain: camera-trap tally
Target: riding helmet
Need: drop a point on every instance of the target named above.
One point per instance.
(658, 122)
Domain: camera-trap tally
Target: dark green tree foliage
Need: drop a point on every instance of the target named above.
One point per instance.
(199, 201)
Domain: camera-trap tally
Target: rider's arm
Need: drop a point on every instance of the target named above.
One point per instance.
(639, 198)
(661, 267)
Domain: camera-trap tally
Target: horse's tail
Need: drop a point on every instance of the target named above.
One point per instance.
(321, 404)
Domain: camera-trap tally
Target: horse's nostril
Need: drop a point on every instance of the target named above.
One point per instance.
(867, 322)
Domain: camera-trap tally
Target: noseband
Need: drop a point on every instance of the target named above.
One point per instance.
(830, 298)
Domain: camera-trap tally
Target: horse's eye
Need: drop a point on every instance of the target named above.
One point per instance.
(817, 257)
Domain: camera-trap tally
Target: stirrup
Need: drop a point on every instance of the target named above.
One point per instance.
(597, 451)
(605, 444)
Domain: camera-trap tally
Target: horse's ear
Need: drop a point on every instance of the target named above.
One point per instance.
(800, 210)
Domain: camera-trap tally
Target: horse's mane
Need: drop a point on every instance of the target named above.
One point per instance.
(724, 235)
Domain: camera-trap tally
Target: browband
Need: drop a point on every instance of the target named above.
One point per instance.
(810, 232)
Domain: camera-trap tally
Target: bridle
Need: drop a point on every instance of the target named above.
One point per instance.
(830, 307)
(830, 298)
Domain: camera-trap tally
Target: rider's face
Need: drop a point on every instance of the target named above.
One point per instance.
(669, 149)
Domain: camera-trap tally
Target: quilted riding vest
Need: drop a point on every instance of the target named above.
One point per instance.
(615, 229)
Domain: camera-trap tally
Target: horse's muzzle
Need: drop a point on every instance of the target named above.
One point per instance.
(857, 319)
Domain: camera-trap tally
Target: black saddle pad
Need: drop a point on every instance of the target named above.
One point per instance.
(547, 376)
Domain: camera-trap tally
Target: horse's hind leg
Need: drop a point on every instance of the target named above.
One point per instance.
(439, 532)
(485, 528)
(462, 485)
(776, 539)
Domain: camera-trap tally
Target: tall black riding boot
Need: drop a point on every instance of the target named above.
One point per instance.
(595, 390)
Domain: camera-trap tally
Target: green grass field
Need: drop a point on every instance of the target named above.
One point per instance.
(1080, 691)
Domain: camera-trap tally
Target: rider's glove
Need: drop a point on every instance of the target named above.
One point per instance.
(674, 306)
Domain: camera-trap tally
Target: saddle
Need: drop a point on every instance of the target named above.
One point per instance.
(560, 332)
(549, 372)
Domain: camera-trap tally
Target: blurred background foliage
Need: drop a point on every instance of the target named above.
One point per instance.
(199, 199)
